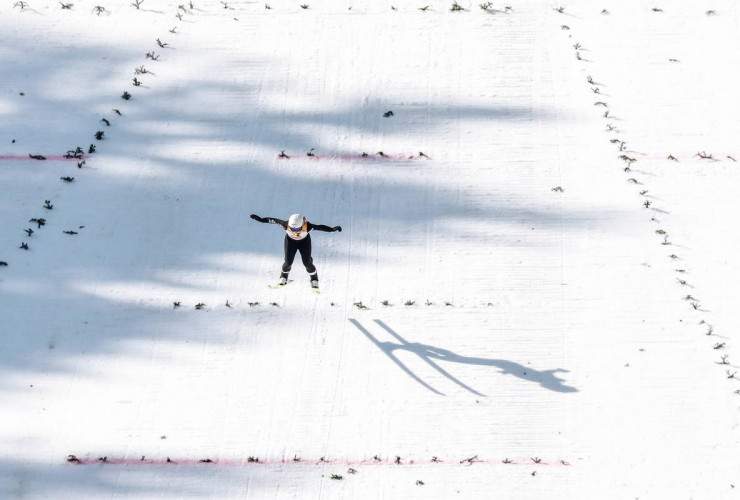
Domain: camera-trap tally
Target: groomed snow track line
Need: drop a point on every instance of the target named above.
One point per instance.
(312, 462)
(638, 177)
(294, 375)
(45, 158)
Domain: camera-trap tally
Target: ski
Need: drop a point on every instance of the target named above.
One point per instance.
(280, 285)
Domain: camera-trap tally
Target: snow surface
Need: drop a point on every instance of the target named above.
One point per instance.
(551, 350)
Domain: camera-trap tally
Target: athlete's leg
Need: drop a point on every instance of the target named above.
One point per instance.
(291, 247)
(305, 249)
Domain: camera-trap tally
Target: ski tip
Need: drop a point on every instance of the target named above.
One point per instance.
(280, 285)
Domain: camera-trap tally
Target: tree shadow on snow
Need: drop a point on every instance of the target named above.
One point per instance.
(153, 235)
(58, 479)
(429, 354)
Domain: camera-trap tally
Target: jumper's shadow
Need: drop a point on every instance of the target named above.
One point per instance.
(428, 354)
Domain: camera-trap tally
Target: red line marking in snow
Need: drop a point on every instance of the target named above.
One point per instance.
(349, 157)
(313, 462)
(48, 158)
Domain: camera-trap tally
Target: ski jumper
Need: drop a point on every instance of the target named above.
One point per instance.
(297, 241)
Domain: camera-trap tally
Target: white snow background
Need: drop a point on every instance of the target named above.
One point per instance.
(571, 329)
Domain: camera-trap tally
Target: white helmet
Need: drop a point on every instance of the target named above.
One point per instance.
(295, 223)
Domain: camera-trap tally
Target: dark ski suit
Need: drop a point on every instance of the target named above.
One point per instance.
(294, 244)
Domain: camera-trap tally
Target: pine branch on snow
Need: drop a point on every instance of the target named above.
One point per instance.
(141, 70)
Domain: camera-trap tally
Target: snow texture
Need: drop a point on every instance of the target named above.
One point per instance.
(533, 296)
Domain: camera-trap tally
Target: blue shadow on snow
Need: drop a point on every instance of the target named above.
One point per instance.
(430, 354)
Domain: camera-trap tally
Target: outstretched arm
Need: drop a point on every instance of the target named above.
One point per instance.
(270, 220)
(321, 227)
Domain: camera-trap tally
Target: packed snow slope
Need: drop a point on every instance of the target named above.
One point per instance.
(533, 296)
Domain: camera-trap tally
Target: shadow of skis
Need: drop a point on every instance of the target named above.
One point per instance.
(429, 354)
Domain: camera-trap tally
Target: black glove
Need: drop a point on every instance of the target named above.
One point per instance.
(257, 218)
(337, 228)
